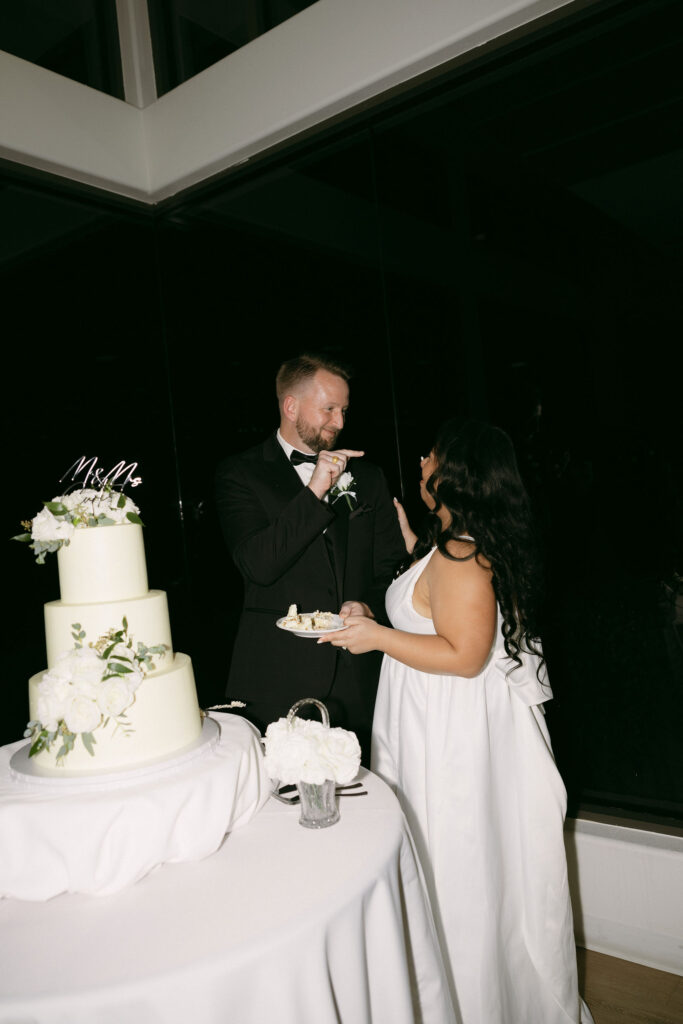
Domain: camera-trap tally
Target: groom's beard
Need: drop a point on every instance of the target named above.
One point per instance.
(315, 440)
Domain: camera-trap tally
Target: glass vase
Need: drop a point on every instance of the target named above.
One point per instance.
(318, 804)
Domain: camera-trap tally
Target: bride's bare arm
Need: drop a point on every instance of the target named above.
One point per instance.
(409, 535)
(463, 609)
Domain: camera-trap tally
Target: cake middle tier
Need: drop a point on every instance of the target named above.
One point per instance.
(147, 619)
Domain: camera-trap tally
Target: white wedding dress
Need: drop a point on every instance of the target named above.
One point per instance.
(471, 763)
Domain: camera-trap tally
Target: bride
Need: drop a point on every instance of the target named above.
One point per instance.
(459, 733)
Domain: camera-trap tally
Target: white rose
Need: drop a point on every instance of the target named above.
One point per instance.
(86, 667)
(95, 505)
(47, 527)
(292, 751)
(103, 504)
(314, 769)
(344, 481)
(79, 503)
(81, 713)
(114, 697)
(108, 504)
(117, 514)
(52, 699)
(88, 502)
(339, 751)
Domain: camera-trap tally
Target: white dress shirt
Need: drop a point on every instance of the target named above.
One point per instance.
(304, 469)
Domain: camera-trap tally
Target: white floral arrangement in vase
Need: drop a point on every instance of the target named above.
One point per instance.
(305, 751)
(54, 525)
(88, 686)
(314, 758)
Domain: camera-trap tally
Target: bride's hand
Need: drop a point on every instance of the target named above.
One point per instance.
(355, 608)
(408, 536)
(360, 635)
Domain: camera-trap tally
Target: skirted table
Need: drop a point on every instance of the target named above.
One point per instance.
(281, 923)
(100, 833)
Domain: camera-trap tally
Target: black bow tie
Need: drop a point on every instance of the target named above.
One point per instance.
(296, 458)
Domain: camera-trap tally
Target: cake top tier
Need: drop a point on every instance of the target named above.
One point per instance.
(107, 564)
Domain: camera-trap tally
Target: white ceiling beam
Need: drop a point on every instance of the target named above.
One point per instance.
(52, 123)
(324, 61)
(137, 59)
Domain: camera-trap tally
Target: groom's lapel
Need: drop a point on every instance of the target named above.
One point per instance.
(338, 534)
(281, 473)
(284, 479)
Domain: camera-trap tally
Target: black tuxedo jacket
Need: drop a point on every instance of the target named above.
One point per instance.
(292, 548)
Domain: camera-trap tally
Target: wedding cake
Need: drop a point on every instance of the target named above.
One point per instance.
(114, 695)
(122, 772)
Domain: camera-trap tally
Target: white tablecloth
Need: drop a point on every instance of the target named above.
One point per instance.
(283, 924)
(100, 834)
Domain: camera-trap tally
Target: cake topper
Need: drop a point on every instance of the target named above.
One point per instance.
(85, 472)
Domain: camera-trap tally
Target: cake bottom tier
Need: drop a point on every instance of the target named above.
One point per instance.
(163, 719)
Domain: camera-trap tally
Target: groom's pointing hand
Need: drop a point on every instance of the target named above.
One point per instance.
(329, 468)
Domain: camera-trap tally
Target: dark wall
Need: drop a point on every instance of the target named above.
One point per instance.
(459, 264)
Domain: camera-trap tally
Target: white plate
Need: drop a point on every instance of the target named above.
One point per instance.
(312, 633)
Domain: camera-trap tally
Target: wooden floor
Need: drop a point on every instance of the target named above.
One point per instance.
(619, 992)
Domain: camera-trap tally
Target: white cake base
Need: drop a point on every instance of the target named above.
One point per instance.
(23, 768)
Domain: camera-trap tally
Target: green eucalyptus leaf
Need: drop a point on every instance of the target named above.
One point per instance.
(133, 517)
(38, 744)
(89, 742)
(158, 649)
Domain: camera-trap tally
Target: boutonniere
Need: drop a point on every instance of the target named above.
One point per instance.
(342, 489)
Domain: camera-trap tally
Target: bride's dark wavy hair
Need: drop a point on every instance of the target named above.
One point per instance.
(477, 480)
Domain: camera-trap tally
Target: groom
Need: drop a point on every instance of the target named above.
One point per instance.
(311, 524)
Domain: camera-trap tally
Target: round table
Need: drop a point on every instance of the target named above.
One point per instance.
(281, 924)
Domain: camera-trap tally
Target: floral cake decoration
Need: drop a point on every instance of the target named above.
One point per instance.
(54, 525)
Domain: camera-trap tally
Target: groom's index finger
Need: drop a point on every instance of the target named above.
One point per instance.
(350, 453)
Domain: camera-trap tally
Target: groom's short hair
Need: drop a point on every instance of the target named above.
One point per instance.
(301, 368)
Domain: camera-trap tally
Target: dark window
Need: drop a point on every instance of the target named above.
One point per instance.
(191, 35)
(75, 38)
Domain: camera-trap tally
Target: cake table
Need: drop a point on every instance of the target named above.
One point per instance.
(101, 833)
(281, 924)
